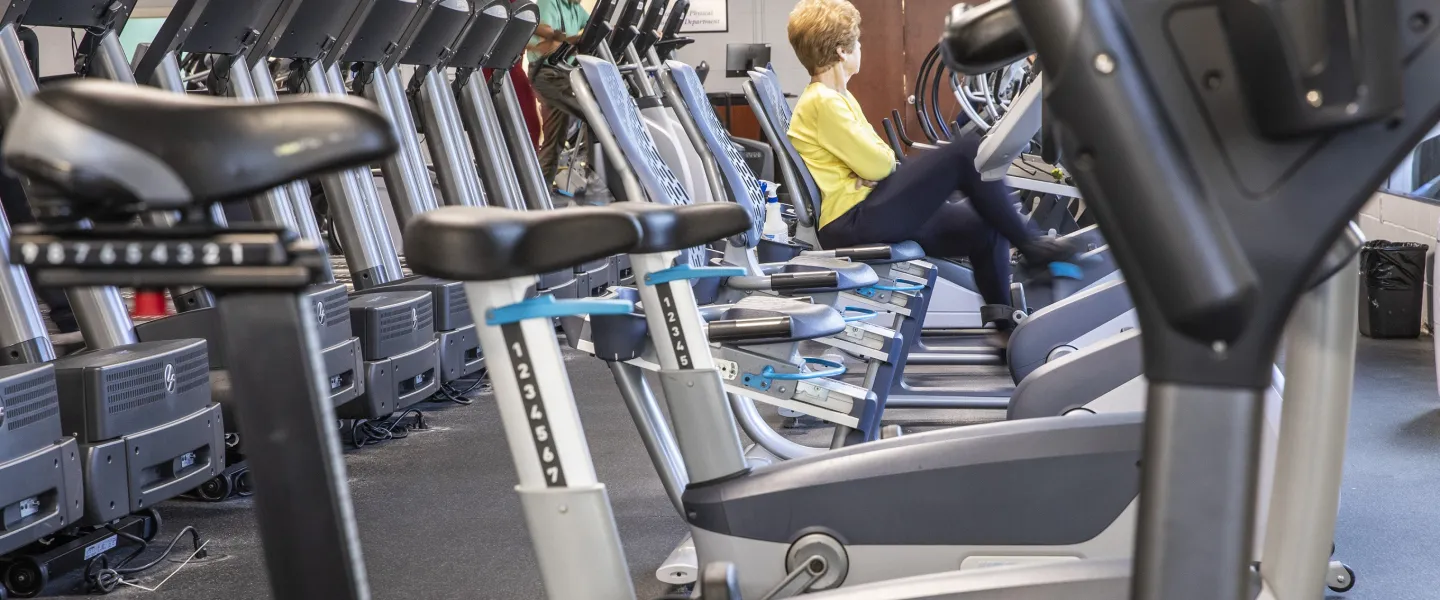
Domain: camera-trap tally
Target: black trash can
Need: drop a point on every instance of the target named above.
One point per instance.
(1392, 288)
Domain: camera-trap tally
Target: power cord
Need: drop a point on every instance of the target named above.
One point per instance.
(452, 393)
(365, 432)
(104, 578)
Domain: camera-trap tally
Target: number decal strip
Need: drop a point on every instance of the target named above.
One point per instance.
(147, 254)
(534, 403)
(671, 313)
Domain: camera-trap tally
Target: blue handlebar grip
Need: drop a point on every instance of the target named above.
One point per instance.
(687, 272)
(547, 306)
(901, 285)
(865, 314)
(1065, 270)
(836, 369)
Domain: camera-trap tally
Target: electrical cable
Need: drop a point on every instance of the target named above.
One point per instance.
(365, 432)
(452, 393)
(105, 578)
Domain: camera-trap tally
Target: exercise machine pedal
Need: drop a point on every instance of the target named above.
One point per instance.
(1004, 315)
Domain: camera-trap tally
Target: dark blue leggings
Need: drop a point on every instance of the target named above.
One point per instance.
(918, 202)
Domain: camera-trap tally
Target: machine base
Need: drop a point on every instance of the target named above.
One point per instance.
(560, 284)
(459, 353)
(58, 568)
(131, 473)
(36, 498)
(395, 383)
(233, 481)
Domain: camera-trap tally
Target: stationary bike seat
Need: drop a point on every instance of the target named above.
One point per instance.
(667, 228)
(483, 243)
(110, 147)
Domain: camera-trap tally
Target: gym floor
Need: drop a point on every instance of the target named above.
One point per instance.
(439, 519)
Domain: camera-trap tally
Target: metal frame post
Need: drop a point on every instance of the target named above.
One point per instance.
(566, 508)
(407, 181)
(445, 137)
(517, 134)
(307, 522)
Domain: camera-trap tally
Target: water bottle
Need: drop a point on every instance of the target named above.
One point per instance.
(775, 229)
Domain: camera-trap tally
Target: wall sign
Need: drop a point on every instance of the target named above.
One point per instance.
(707, 16)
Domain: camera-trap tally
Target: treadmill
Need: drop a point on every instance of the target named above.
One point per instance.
(413, 337)
(490, 113)
(594, 277)
(227, 32)
(141, 424)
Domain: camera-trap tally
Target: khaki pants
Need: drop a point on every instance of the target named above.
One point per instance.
(557, 107)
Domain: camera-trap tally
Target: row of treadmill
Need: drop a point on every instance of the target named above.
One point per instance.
(668, 285)
(93, 436)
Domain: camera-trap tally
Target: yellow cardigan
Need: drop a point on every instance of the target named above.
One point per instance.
(838, 145)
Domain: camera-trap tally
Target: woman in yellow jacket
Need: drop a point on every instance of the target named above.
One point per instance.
(865, 199)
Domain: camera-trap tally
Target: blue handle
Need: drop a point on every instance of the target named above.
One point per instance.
(836, 369)
(865, 314)
(1065, 270)
(541, 307)
(687, 272)
(910, 286)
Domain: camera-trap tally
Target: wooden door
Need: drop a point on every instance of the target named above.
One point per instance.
(896, 36)
(880, 84)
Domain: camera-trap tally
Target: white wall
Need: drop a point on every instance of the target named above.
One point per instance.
(56, 54)
(751, 21)
(1401, 219)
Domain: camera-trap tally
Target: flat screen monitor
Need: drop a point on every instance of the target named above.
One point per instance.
(741, 58)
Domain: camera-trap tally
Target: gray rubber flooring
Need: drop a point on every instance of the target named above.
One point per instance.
(439, 519)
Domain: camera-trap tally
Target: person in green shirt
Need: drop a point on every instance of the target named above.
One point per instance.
(560, 22)
(865, 198)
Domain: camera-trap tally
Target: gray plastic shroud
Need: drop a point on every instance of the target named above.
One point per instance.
(342, 363)
(145, 468)
(459, 353)
(329, 301)
(390, 323)
(704, 426)
(29, 410)
(1039, 481)
(1069, 580)
(395, 383)
(50, 476)
(342, 368)
(763, 563)
(107, 394)
(452, 308)
(1075, 321)
(1073, 381)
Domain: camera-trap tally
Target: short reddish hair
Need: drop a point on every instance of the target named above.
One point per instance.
(818, 28)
